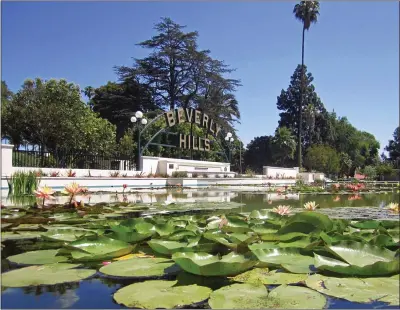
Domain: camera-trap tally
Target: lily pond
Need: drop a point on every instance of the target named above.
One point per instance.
(202, 249)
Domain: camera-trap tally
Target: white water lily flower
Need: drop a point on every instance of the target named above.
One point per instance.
(169, 202)
(310, 206)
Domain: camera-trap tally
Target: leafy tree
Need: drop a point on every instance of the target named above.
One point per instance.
(384, 169)
(117, 102)
(317, 116)
(393, 148)
(53, 116)
(322, 158)
(283, 146)
(259, 153)
(345, 164)
(370, 172)
(12, 116)
(180, 75)
(307, 13)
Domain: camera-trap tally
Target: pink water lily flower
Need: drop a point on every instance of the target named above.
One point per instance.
(105, 263)
(282, 210)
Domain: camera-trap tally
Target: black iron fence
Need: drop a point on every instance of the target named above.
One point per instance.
(72, 160)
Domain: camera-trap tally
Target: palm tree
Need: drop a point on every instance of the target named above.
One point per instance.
(307, 12)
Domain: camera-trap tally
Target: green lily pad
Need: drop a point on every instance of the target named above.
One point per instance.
(295, 297)
(239, 296)
(66, 234)
(160, 294)
(44, 275)
(291, 259)
(167, 247)
(362, 290)
(267, 277)
(360, 254)
(141, 267)
(132, 230)
(9, 235)
(379, 268)
(205, 264)
(40, 257)
(95, 248)
(319, 220)
(292, 236)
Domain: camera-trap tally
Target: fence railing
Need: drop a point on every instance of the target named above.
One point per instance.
(73, 160)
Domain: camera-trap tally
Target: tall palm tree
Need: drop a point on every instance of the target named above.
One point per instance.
(307, 12)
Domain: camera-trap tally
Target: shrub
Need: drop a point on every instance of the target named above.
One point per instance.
(319, 182)
(249, 172)
(225, 175)
(179, 174)
(55, 174)
(195, 175)
(205, 175)
(71, 173)
(114, 174)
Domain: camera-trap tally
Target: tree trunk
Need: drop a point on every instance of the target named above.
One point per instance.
(301, 100)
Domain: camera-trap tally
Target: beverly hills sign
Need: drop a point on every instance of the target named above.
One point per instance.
(188, 115)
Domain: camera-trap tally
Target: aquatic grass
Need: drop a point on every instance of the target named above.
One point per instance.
(23, 183)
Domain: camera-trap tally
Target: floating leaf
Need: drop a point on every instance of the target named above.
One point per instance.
(295, 297)
(264, 276)
(96, 248)
(40, 257)
(291, 259)
(380, 268)
(239, 296)
(208, 265)
(66, 234)
(141, 267)
(362, 290)
(160, 294)
(44, 275)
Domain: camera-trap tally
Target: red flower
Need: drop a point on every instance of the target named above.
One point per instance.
(125, 186)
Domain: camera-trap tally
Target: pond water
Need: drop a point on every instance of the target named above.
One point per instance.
(97, 291)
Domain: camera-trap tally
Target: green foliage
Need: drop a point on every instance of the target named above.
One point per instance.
(179, 174)
(180, 75)
(370, 172)
(283, 146)
(393, 148)
(23, 183)
(307, 12)
(51, 114)
(323, 159)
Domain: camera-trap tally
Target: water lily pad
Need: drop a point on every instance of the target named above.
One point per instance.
(160, 294)
(319, 220)
(265, 276)
(295, 297)
(379, 268)
(66, 234)
(360, 254)
(291, 259)
(8, 235)
(240, 296)
(141, 267)
(94, 248)
(40, 257)
(205, 264)
(362, 290)
(44, 275)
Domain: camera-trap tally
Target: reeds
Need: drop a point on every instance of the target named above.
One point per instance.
(23, 183)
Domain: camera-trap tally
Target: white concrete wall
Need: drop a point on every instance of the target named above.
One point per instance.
(306, 177)
(278, 172)
(6, 159)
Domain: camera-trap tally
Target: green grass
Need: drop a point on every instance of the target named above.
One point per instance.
(23, 183)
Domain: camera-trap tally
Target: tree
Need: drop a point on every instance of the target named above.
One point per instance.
(322, 158)
(258, 153)
(283, 146)
(393, 148)
(12, 116)
(345, 164)
(54, 117)
(180, 75)
(117, 102)
(307, 12)
(317, 117)
(370, 172)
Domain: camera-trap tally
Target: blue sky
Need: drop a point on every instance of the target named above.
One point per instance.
(353, 51)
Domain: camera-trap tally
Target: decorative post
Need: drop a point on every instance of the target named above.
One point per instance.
(138, 120)
(229, 139)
